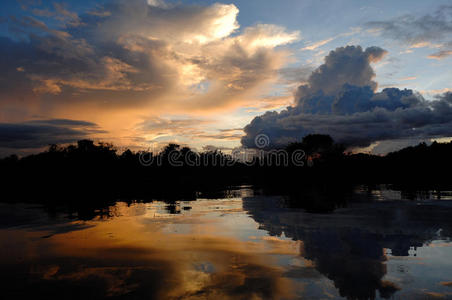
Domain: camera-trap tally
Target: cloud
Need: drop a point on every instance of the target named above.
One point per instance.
(160, 131)
(157, 3)
(383, 147)
(41, 133)
(222, 136)
(340, 99)
(290, 75)
(232, 134)
(150, 49)
(212, 148)
(408, 78)
(270, 103)
(430, 30)
(440, 54)
(316, 45)
(157, 127)
(65, 16)
(436, 91)
(446, 283)
(344, 65)
(134, 60)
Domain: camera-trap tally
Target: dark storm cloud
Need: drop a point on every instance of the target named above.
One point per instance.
(340, 100)
(40, 133)
(344, 65)
(421, 31)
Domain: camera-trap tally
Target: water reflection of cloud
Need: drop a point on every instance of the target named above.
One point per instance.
(142, 261)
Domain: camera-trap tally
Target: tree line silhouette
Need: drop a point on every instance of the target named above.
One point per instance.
(90, 170)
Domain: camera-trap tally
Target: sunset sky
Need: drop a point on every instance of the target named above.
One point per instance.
(143, 73)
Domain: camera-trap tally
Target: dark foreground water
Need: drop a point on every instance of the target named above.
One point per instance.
(244, 245)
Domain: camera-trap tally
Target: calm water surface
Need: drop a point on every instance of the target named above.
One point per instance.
(244, 245)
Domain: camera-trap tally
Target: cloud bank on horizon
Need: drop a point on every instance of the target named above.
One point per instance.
(340, 99)
(41, 133)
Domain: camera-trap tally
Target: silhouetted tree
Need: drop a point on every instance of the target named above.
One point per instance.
(98, 167)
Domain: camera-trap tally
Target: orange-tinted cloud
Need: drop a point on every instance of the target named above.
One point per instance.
(136, 60)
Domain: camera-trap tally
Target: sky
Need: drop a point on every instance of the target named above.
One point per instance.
(143, 73)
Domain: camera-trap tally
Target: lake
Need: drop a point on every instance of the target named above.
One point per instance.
(241, 243)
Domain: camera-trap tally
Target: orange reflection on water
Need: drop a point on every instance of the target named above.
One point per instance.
(141, 252)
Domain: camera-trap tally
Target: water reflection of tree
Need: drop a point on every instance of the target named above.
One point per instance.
(348, 246)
